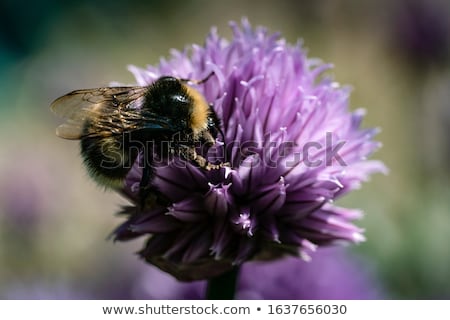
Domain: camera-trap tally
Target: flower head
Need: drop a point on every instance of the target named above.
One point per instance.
(292, 147)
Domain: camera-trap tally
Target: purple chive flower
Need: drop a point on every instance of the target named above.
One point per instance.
(292, 146)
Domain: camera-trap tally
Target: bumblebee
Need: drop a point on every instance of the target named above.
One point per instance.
(115, 124)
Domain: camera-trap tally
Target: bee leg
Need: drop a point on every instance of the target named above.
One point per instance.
(144, 189)
(149, 195)
(151, 198)
(190, 154)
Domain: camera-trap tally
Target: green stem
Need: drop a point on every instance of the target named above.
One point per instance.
(223, 287)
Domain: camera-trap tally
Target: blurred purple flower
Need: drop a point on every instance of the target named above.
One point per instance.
(42, 290)
(25, 196)
(332, 274)
(293, 147)
(420, 29)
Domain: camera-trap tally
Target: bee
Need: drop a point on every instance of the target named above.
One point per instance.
(115, 124)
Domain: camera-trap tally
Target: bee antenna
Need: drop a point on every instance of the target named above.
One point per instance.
(199, 81)
(206, 78)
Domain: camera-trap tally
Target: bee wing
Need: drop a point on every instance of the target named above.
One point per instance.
(101, 112)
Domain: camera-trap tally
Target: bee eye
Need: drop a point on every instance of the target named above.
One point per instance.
(180, 100)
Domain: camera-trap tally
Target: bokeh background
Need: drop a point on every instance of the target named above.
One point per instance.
(54, 220)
